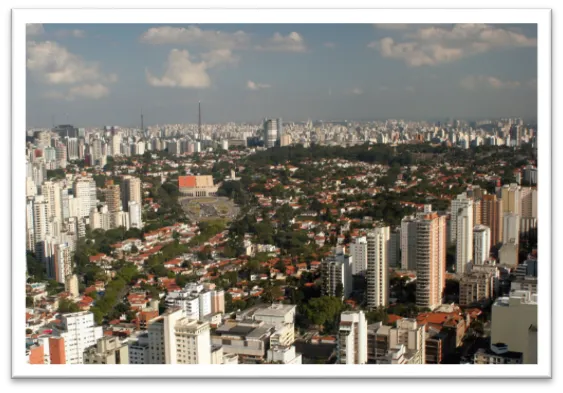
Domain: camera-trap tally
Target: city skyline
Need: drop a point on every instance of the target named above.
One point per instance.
(75, 73)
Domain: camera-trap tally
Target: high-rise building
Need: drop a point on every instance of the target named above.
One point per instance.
(477, 211)
(61, 266)
(358, 251)
(351, 345)
(336, 274)
(512, 318)
(461, 201)
(491, 216)
(79, 332)
(131, 191)
(378, 268)
(108, 350)
(482, 244)
(72, 148)
(135, 216)
(408, 243)
(464, 237)
(395, 248)
(511, 198)
(84, 189)
(112, 194)
(40, 223)
(193, 342)
(530, 175)
(52, 191)
(217, 301)
(29, 226)
(475, 287)
(430, 260)
(270, 132)
(511, 228)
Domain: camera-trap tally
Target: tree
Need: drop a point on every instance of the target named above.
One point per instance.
(67, 305)
(29, 301)
(323, 309)
(339, 291)
(134, 249)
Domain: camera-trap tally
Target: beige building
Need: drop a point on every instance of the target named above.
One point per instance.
(108, 350)
(510, 195)
(112, 194)
(377, 268)
(514, 319)
(193, 342)
(131, 191)
(382, 339)
(430, 259)
(475, 287)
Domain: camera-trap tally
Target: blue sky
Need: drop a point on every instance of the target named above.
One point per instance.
(96, 74)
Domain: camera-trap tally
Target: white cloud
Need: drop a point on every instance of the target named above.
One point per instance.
(53, 64)
(250, 85)
(32, 29)
(329, 44)
(182, 72)
(194, 35)
(357, 91)
(293, 42)
(76, 33)
(473, 82)
(218, 57)
(435, 44)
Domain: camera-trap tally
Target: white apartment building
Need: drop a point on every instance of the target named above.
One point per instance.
(135, 215)
(464, 237)
(193, 342)
(378, 268)
(358, 251)
(284, 355)
(351, 345)
(462, 201)
(79, 332)
(481, 244)
(335, 271)
(512, 319)
(85, 190)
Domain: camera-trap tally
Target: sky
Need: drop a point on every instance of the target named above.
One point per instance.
(91, 75)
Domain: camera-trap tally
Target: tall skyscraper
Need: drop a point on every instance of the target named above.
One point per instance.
(336, 272)
(430, 259)
(270, 132)
(491, 216)
(84, 189)
(482, 244)
(135, 217)
(112, 195)
(461, 201)
(358, 251)
(378, 268)
(72, 148)
(511, 228)
(464, 238)
(40, 224)
(511, 198)
(408, 243)
(52, 192)
(352, 338)
(131, 191)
